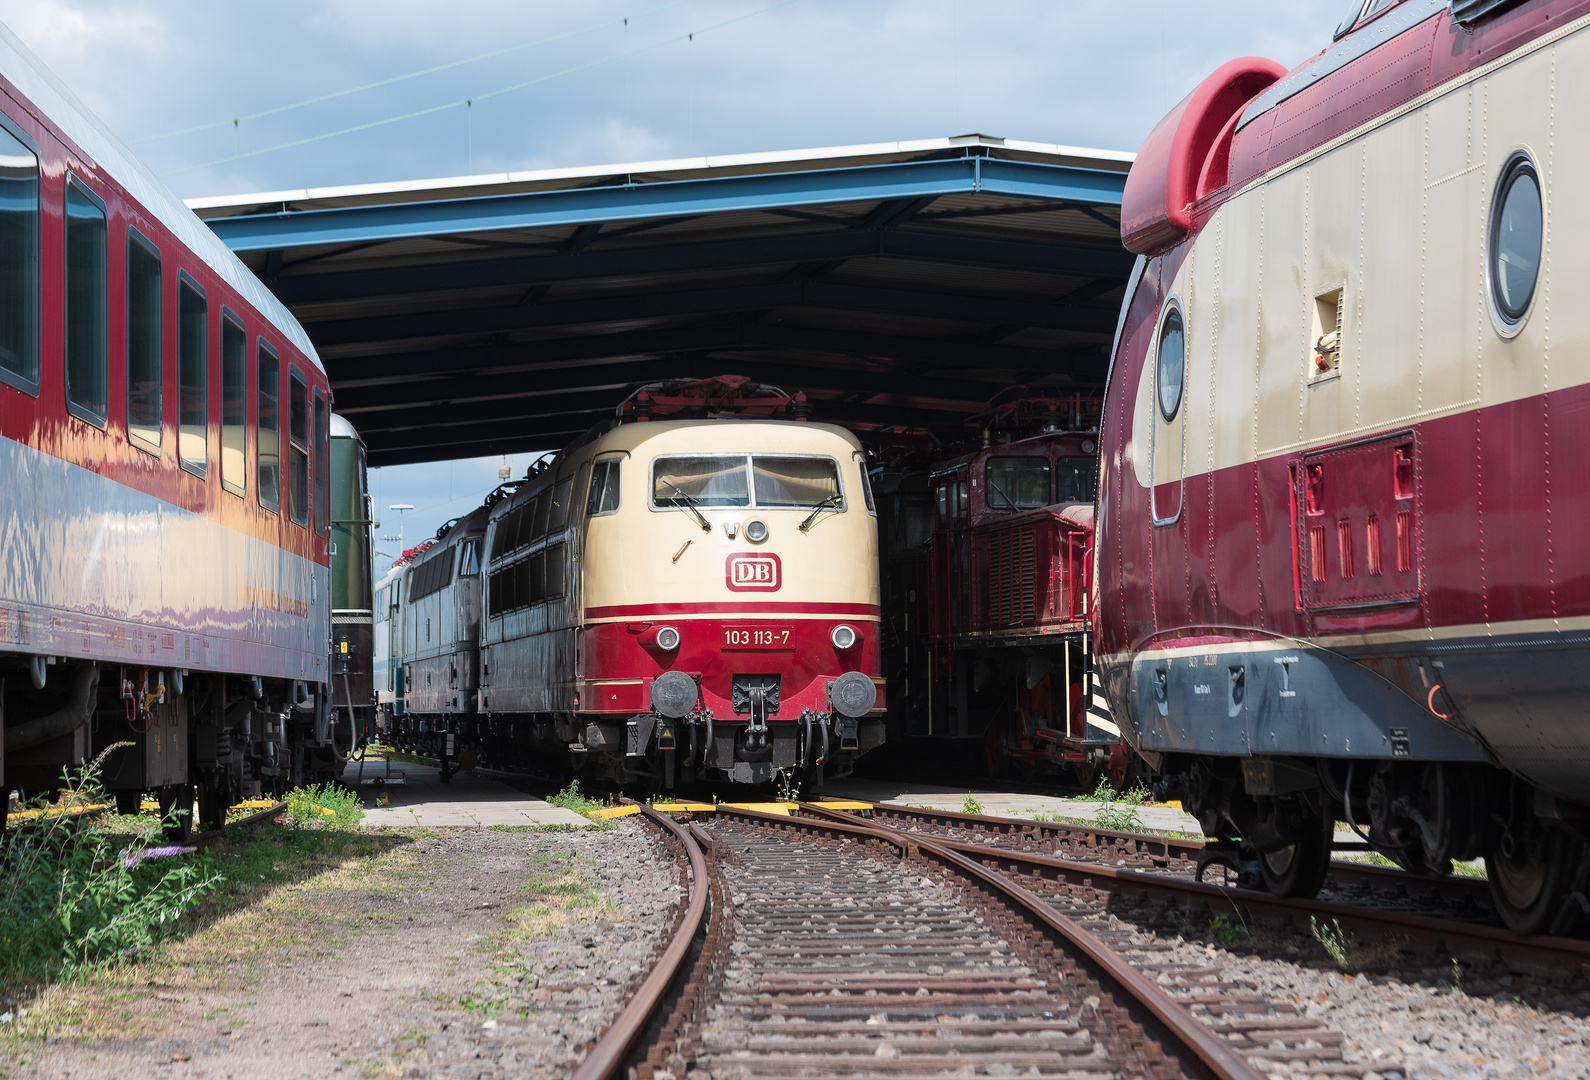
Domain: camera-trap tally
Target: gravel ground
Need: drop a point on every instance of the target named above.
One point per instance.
(1412, 1015)
(477, 953)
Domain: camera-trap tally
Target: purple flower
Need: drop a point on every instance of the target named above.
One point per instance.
(132, 858)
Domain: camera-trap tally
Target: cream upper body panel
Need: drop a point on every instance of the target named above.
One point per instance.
(1396, 216)
(644, 555)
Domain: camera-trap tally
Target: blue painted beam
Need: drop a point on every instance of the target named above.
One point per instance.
(364, 224)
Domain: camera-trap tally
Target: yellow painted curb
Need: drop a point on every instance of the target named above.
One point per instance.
(610, 812)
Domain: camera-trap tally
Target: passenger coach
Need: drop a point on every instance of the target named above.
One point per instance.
(163, 482)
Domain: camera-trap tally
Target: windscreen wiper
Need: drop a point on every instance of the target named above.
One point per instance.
(825, 503)
(1008, 500)
(690, 504)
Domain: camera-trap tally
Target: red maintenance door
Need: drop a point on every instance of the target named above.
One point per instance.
(1357, 531)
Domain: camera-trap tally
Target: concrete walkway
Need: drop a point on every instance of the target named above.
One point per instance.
(417, 797)
(1009, 804)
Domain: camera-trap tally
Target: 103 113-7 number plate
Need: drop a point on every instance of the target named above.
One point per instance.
(759, 636)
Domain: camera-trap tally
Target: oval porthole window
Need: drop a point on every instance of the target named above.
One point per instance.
(1172, 362)
(1517, 232)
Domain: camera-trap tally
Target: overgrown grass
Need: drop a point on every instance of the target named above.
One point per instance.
(79, 895)
(258, 909)
(324, 806)
(571, 799)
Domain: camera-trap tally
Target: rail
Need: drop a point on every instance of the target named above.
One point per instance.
(607, 1057)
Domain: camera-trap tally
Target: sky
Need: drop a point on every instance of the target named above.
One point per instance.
(593, 82)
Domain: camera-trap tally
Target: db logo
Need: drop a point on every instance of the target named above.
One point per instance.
(758, 572)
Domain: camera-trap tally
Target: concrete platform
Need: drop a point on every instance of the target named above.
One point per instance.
(420, 798)
(1010, 804)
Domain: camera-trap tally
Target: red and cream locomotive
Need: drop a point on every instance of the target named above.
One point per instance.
(164, 453)
(1339, 562)
(666, 600)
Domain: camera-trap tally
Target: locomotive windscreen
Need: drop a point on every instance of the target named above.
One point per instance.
(794, 481)
(731, 480)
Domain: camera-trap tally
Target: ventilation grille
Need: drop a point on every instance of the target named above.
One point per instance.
(1372, 548)
(1404, 541)
(1011, 585)
(1316, 552)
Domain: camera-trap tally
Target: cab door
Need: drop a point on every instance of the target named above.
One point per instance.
(1168, 454)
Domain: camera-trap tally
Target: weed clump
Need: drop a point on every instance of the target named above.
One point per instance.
(971, 805)
(81, 896)
(324, 806)
(1119, 810)
(571, 799)
(1339, 943)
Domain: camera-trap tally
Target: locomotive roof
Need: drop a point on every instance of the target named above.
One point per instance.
(63, 109)
(632, 436)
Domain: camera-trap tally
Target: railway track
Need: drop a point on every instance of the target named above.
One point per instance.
(1156, 869)
(1462, 898)
(830, 944)
(840, 948)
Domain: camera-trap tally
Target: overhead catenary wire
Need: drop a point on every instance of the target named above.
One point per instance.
(465, 102)
(432, 70)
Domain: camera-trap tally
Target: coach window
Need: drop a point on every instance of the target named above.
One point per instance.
(269, 438)
(298, 447)
(1517, 231)
(193, 371)
(558, 520)
(234, 404)
(1172, 363)
(87, 324)
(604, 488)
(19, 263)
(543, 514)
(322, 464)
(145, 365)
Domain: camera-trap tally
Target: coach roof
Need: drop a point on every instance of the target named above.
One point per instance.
(62, 108)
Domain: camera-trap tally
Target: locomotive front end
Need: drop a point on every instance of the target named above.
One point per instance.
(731, 612)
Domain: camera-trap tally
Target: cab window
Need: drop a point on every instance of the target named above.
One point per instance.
(1017, 483)
(1076, 479)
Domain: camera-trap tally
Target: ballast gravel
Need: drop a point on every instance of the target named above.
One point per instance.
(491, 954)
(1417, 1016)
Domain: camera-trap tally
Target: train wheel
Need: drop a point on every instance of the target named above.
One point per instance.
(129, 802)
(176, 811)
(1530, 884)
(1300, 869)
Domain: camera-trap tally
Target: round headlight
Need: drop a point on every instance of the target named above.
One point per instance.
(668, 638)
(756, 530)
(1088, 446)
(843, 637)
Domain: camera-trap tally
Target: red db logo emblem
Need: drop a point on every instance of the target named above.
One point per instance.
(756, 572)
